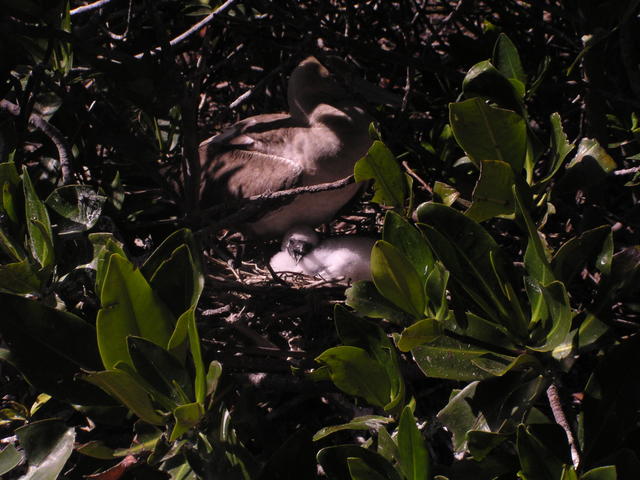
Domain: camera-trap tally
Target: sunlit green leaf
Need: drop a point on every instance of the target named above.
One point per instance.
(493, 193)
(408, 239)
(366, 422)
(353, 371)
(381, 165)
(560, 147)
(413, 455)
(489, 133)
(9, 458)
(601, 473)
(423, 331)
(129, 307)
(38, 224)
(451, 359)
(396, 279)
(19, 277)
(186, 417)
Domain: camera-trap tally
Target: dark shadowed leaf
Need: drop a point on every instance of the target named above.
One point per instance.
(573, 255)
(47, 445)
(507, 59)
(560, 148)
(80, 205)
(50, 347)
(334, 461)
(124, 388)
(536, 461)
(364, 298)
(601, 473)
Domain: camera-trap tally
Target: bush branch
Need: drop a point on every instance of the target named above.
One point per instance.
(561, 419)
(55, 135)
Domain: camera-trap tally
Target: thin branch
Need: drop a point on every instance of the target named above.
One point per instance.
(627, 171)
(252, 205)
(55, 135)
(88, 8)
(561, 419)
(194, 29)
(258, 87)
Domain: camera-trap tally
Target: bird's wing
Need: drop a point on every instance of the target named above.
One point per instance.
(249, 158)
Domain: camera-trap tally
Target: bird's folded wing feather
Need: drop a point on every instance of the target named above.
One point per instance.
(249, 158)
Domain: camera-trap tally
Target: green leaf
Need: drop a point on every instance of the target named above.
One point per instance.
(9, 458)
(357, 332)
(489, 133)
(572, 256)
(408, 239)
(48, 444)
(104, 245)
(559, 324)
(443, 193)
(470, 254)
(129, 307)
(38, 224)
(487, 82)
(507, 60)
(359, 470)
(421, 332)
(480, 443)
(396, 279)
(50, 347)
(186, 417)
(460, 417)
(590, 148)
(19, 277)
(450, 359)
(365, 299)
(334, 461)
(353, 371)
(366, 422)
(560, 148)
(493, 194)
(9, 183)
(381, 165)
(414, 457)
(387, 447)
(80, 205)
(601, 473)
(161, 369)
(536, 461)
(123, 387)
(175, 271)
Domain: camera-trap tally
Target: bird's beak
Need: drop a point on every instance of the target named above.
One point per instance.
(298, 249)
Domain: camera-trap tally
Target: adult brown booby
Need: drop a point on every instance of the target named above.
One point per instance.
(318, 141)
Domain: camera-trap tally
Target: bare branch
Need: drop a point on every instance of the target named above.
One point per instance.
(561, 419)
(88, 8)
(55, 135)
(194, 29)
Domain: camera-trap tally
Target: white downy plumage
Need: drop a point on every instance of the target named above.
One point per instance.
(345, 257)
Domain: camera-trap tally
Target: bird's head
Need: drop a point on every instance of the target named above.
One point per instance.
(299, 241)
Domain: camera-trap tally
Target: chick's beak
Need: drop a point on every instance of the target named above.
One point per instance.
(298, 249)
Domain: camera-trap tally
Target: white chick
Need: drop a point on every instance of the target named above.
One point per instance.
(339, 257)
